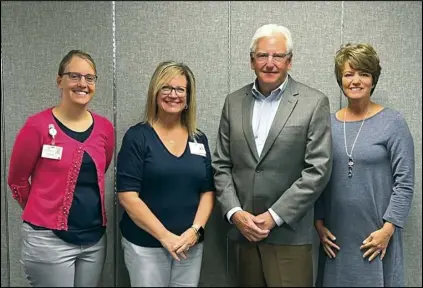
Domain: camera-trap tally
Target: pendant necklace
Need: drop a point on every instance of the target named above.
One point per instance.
(350, 158)
(170, 141)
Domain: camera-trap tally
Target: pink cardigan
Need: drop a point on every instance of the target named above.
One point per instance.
(47, 198)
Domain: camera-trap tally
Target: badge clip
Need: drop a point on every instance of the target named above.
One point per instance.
(52, 131)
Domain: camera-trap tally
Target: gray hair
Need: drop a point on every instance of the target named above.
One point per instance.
(270, 30)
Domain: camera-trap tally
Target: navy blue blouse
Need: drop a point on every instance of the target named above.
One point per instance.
(170, 186)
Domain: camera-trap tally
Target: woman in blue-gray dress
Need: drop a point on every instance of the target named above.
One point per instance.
(361, 214)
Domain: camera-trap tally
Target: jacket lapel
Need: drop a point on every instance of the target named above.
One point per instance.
(247, 115)
(287, 104)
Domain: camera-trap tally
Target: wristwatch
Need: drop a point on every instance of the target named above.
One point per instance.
(199, 230)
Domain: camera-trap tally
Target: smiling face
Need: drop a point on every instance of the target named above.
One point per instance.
(356, 84)
(271, 73)
(172, 98)
(77, 91)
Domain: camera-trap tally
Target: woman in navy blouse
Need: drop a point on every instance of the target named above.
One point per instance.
(165, 184)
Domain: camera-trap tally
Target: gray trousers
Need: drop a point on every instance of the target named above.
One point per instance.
(48, 261)
(155, 267)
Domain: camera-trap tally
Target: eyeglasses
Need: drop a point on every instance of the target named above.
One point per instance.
(180, 91)
(263, 57)
(76, 77)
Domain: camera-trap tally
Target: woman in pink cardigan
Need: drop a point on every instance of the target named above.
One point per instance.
(65, 150)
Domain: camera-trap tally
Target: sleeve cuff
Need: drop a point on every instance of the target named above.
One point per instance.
(278, 220)
(232, 212)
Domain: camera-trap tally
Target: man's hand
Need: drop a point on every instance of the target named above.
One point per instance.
(265, 221)
(247, 225)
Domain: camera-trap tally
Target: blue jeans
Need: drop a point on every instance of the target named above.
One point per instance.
(155, 267)
(48, 261)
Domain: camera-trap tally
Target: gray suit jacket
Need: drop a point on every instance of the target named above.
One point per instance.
(294, 166)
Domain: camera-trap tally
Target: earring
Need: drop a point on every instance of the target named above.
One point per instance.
(186, 106)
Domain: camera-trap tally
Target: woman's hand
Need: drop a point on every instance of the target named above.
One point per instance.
(326, 238)
(378, 241)
(188, 239)
(169, 241)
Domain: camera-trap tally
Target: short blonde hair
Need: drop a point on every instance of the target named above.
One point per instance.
(361, 57)
(163, 74)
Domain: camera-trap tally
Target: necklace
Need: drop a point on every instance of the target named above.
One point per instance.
(350, 158)
(171, 141)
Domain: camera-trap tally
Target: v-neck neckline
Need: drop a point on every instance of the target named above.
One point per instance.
(167, 150)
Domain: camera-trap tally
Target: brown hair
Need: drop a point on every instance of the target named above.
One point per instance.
(65, 61)
(361, 57)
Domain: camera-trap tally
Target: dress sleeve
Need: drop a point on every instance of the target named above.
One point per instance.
(401, 154)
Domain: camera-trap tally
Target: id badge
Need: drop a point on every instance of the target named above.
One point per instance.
(52, 152)
(197, 149)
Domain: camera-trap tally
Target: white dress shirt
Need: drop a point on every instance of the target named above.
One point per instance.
(264, 112)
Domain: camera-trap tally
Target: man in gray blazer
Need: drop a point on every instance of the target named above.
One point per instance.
(272, 160)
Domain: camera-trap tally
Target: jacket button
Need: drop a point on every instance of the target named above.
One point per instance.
(258, 171)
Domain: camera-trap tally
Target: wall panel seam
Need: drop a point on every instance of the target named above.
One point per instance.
(6, 206)
(115, 212)
(229, 90)
(229, 47)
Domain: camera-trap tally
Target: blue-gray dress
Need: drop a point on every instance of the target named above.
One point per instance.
(380, 189)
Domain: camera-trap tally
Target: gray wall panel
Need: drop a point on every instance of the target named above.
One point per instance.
(35, 37)
(395, 30)
(4, 239)
(191, 32)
